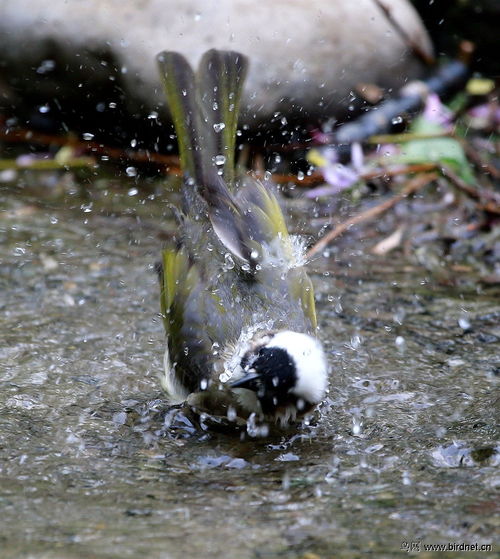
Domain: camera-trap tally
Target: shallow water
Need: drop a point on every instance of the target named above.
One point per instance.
(405, 453)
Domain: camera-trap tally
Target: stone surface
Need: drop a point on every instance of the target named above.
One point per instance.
(93, 61)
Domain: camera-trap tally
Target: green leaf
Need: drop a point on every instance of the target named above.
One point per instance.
(439, 150)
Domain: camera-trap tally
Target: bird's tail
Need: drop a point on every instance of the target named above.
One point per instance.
(205, 107)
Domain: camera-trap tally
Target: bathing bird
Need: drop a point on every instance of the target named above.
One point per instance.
(237, 304)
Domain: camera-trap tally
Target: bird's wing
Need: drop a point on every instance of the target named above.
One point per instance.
(264, 221)
(183, 311)
(266, 225)
(302, 290)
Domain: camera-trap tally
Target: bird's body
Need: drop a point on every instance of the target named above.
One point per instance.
(237, 303)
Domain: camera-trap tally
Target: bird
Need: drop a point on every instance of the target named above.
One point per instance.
(237, 304)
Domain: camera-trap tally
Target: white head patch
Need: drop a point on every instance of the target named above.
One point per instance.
(310, 363)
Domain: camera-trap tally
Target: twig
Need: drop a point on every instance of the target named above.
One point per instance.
(382, 172)
(415, 47)
(47, 164)
(20, 135)
(479, 160)
(402, 138)
(415, 184)
(489, 201)
(399, 170)
(410, 99)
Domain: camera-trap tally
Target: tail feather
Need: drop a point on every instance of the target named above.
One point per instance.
(220, 77)
(205, 108)
(199, 105)
(180, 88)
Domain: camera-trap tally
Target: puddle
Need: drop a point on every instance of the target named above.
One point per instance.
(406, 448)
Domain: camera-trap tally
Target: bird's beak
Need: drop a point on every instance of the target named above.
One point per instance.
(247, 381)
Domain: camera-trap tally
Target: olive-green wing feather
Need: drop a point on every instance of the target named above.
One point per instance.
(179, 280)
(174, 287)
(267, 226)
(301, 289)
(265, 222)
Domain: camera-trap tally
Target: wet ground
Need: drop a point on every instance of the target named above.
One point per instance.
(405, 453)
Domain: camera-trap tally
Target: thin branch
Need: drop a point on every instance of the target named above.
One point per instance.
(20, 135)
(479, 160)
(380, 173)
(413, 185)
(47, 164)
(489, 200)
(418, 51)
(406, 137)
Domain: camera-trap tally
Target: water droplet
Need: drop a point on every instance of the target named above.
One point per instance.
(285, 481)
(464, 323)
(112, 105)
(219, 126)
(220, 159)
(133, 192)
(87, 136)
(46, 66)
(300, 176)
(153, 115)
(355, 342)
(43, 109)
(203, 384)
(228, 262)
(131, 171)
(406, 478)
(133, 143)
(357, 423)
(287, 457)
(397, 120)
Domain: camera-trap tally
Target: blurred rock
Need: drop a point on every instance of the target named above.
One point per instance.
(90, 65)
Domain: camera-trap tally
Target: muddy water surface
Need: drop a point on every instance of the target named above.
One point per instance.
(405, 453)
